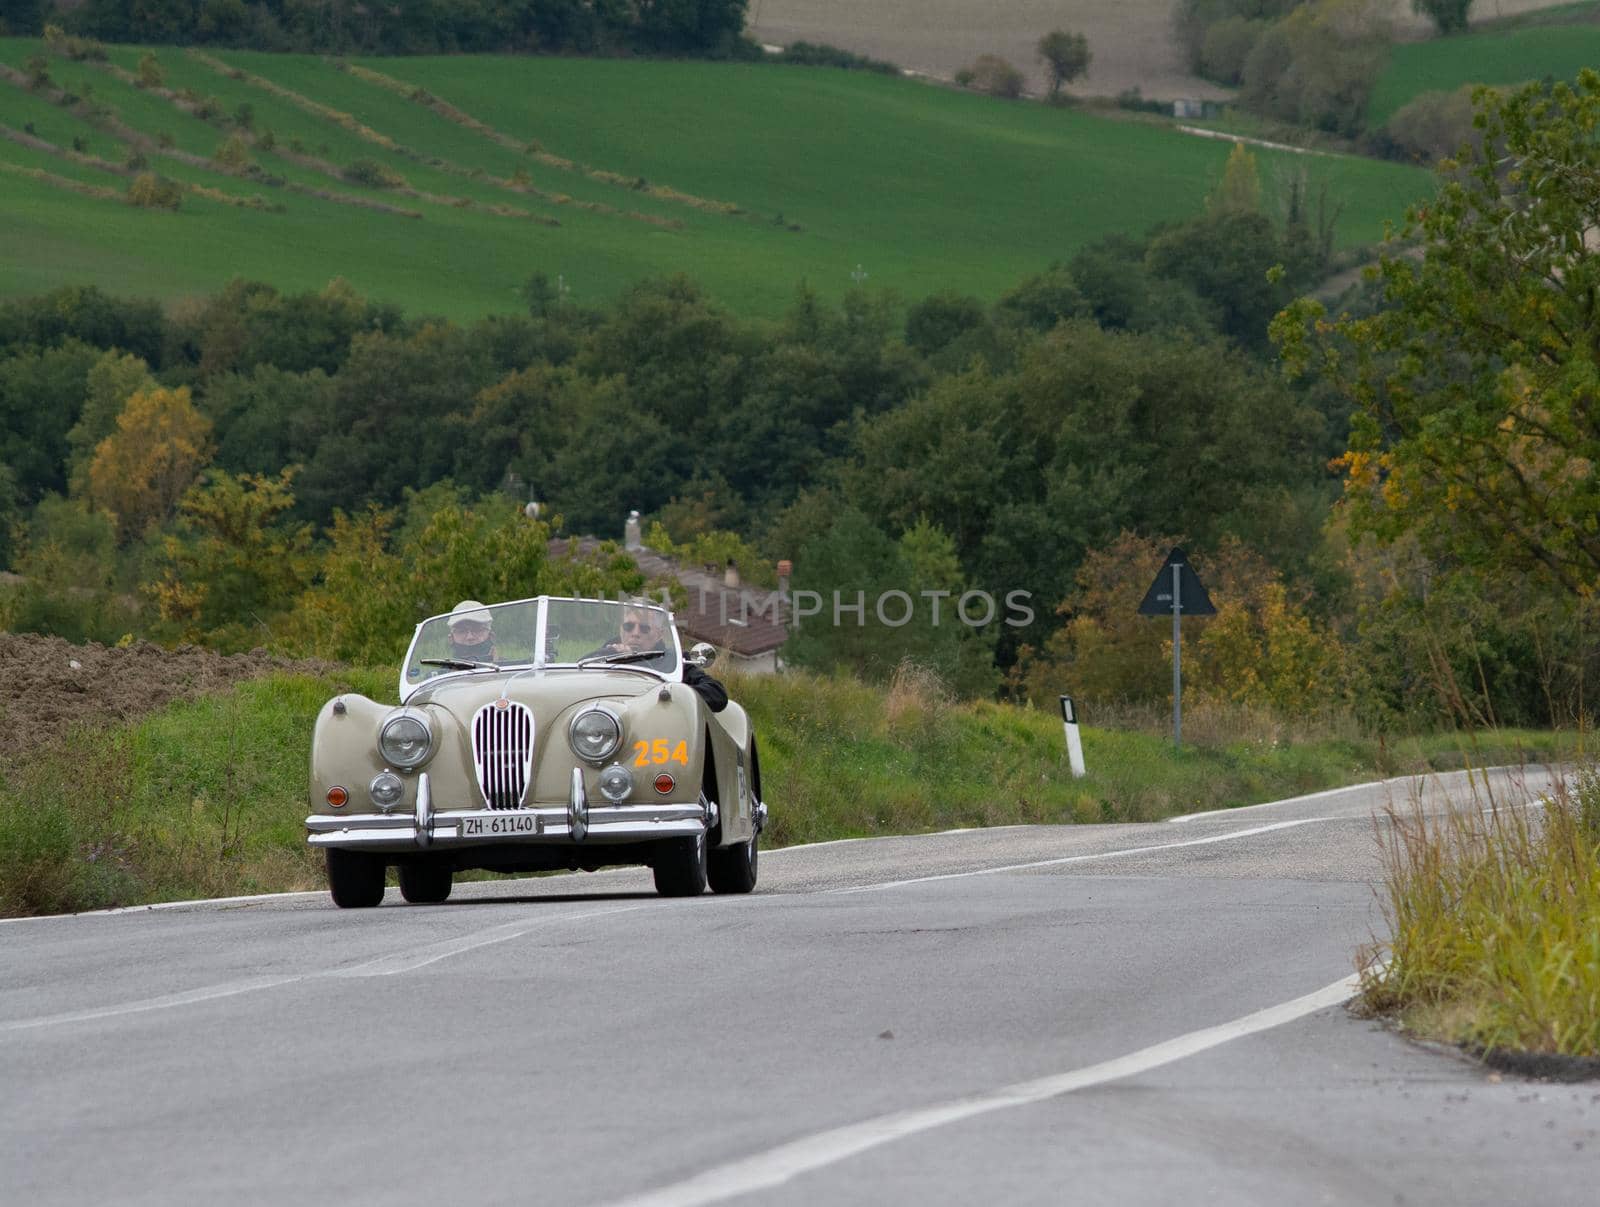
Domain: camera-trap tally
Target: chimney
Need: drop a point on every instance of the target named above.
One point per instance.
(632, 535)
(730, 576)
(785, 569)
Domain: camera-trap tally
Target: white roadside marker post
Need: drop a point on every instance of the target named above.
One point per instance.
(1069, 722)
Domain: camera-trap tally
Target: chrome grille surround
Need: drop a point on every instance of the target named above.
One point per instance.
(502, 752)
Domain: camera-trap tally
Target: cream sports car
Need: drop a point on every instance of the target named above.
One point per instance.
(538, 735)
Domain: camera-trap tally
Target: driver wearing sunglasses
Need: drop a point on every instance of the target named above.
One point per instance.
(643, 630)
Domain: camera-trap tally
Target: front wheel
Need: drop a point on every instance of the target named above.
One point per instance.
(680, 866)
(733, 869)
(425, 883)
(355, 878)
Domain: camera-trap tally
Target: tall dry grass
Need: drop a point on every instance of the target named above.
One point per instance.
(1494, 914)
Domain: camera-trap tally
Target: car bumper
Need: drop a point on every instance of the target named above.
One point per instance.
(574, 822)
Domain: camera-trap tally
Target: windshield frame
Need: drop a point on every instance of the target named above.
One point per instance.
(540, 664)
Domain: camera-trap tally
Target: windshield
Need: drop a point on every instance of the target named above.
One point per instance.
(543, 633)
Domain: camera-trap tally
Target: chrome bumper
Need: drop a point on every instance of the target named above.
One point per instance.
(577, 821)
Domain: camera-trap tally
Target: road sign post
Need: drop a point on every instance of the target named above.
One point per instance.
(1177, 590)
(1177, 657)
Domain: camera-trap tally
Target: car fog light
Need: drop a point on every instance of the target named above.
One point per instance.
(664, 783)
(616, 784)
(386, 790)
(337, 797)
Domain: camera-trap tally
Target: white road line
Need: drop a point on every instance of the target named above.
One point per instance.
(1444, 781)
(1276, 804)
(773, 1168)
(1049, 863)
(390, 965)
(188, 998)
(408, 961)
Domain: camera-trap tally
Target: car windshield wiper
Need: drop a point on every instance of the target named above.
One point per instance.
(459, 664)
(623, 659)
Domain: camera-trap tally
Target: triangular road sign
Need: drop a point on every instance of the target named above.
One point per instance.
(1192, 597)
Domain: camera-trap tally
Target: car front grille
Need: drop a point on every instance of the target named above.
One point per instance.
(502, 752)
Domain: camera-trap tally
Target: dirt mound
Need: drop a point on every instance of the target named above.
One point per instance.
(49, 686)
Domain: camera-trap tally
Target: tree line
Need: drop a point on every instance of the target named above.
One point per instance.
(672, 27)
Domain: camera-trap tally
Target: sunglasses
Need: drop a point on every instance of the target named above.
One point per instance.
(638, 626)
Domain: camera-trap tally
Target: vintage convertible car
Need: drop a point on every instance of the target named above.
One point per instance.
(565, 738)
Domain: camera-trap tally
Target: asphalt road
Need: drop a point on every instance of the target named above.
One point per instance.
(1130, 1014)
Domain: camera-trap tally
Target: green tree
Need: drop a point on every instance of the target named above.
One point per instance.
(234, 562)
(41, 394)
(1475, 426)
(1239, 191)
(1449, 15)
(1066, 56)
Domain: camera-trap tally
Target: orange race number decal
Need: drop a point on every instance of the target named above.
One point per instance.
(660, 751)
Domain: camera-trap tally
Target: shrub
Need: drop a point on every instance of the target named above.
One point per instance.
(373, 174)
(1433, 126)
(37, 68)
(151, 73)
(992, 74)
(233, 153)
(152, 192)
(819, 54)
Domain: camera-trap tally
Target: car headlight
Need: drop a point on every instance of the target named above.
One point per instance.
(616, 783)
(405, 740)
(595, 733)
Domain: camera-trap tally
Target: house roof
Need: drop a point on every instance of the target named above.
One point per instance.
(743, 620)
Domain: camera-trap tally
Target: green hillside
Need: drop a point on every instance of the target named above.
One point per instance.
(1500, 57)
(636, 168)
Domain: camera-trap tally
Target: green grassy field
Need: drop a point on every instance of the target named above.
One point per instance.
(925, 188)
(1500, 57)
(207, 797)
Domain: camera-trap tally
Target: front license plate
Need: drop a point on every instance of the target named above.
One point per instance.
(489, 827)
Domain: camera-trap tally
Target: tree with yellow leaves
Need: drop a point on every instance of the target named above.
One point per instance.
(142, 469)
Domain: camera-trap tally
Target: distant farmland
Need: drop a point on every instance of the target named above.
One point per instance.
(1510, 57)
(599, 172)
(1131, 39)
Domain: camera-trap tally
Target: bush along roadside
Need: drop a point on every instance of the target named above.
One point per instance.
(1495, 923)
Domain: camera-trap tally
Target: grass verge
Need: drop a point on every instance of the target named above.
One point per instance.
(1495, 918)
(206, 798)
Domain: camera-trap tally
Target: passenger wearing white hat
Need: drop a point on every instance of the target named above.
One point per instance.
(471, 632)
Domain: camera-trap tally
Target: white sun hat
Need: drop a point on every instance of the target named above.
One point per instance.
(468, 611)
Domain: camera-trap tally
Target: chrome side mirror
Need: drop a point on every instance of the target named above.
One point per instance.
(701, 654)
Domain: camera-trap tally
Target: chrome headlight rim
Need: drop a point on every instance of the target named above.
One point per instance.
(406, 762)
(595, 756)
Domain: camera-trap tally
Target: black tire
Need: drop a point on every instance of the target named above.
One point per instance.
(355, 878)
(680, 866)
(733, 869)
(425, 883)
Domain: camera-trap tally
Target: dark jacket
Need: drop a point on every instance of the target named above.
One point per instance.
(712, 692)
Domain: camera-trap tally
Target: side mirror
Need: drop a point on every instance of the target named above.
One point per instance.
(701, 654)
